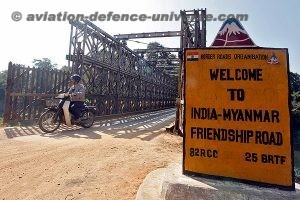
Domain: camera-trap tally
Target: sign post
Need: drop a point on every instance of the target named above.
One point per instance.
(237, 115)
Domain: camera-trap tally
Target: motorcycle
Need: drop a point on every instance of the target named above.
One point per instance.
(55, 115)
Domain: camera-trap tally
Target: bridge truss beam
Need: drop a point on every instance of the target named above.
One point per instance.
(148, 35)
(193, 35)
(157, 50)
(118, 80)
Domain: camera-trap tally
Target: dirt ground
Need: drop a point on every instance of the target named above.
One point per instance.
(108, 161)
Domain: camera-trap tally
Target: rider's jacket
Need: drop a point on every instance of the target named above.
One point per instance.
(77, 92)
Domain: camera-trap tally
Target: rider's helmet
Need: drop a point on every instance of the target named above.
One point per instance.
(76, 77)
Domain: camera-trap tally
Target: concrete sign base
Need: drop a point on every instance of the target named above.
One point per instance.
(170, 184)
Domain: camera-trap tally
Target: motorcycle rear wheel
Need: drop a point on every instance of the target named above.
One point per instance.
(88, 119)
(47, 123)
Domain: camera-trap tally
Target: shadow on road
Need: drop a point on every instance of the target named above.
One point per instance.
(144, 126)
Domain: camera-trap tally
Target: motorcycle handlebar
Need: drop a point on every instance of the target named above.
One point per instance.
(62, 96)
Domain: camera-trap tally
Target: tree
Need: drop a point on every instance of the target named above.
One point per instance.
(44, 63)
(295, 82)
(295, 91)
(295, 101)
(161, 59)
(166, 56)
(3, 77)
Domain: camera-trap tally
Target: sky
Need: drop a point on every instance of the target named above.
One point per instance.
(271, 23)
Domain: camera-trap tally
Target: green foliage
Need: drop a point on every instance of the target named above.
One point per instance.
(3, 77)
(295, 115)
(296, 101)
(159, 55)
(44, 63)
(295, 82)
(295, 95)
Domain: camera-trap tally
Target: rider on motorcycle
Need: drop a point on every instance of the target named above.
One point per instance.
(77, 97)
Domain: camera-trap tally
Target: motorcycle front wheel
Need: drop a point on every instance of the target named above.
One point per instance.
(88, 119)
(47, 122)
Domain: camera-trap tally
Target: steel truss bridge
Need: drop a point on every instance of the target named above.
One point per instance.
(115, 76)
(118, 80)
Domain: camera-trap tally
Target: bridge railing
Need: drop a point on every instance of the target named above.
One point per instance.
(26, 91)
(28, 88)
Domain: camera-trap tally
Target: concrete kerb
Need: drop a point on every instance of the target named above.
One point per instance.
(170, 184)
